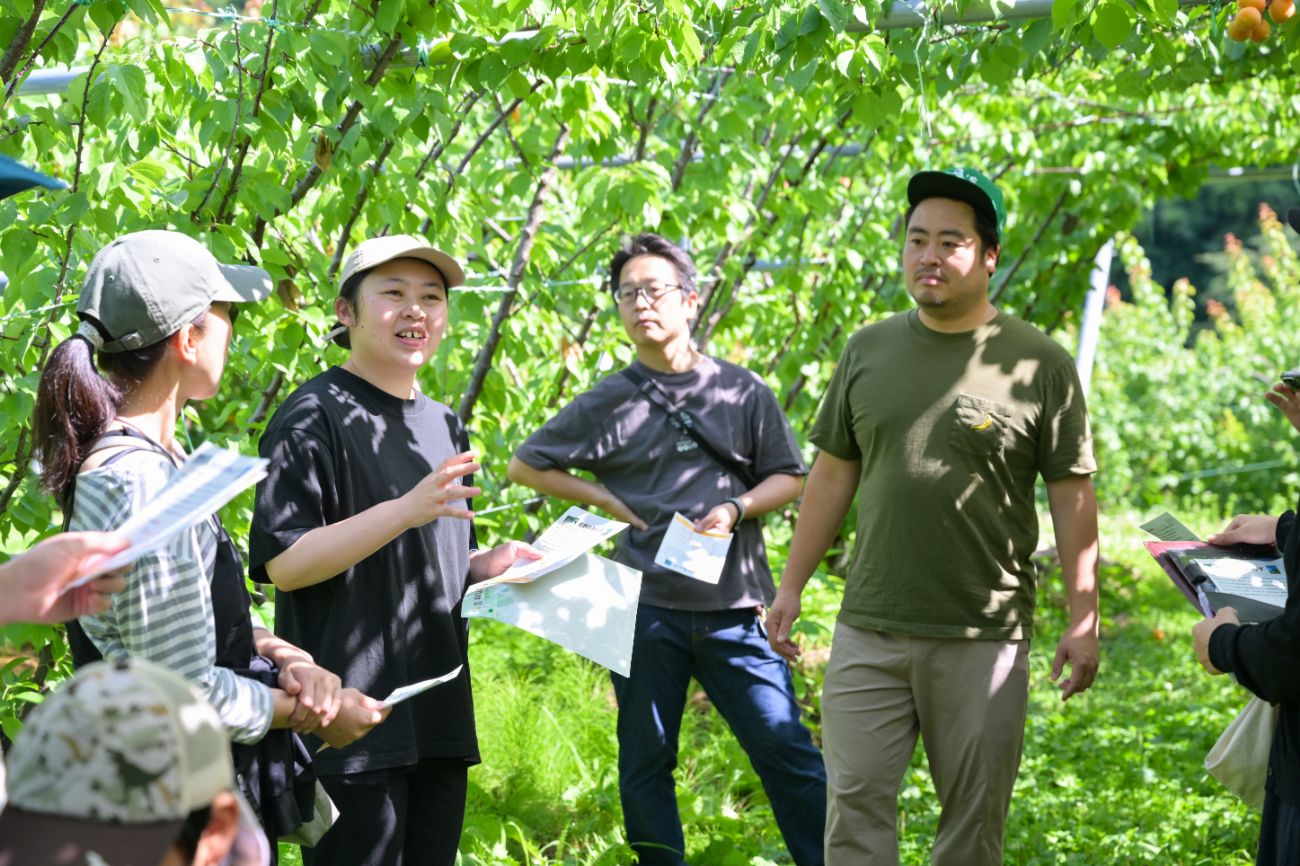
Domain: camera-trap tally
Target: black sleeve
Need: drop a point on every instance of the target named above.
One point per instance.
(570, 440)
(1262, 657)
(1284, 525)
(776, 451)
(296, 496)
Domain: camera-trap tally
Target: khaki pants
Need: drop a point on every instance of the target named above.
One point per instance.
(966, 699)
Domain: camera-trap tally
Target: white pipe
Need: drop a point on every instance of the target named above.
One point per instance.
(1093, 306)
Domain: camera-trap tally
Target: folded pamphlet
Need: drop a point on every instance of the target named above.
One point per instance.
(210, 478)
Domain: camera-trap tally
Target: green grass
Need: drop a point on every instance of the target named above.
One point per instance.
(1115, 776)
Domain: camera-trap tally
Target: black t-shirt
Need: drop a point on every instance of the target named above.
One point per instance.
(614, 432)
(337, 447)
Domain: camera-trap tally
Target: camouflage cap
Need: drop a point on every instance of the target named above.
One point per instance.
(108, 767)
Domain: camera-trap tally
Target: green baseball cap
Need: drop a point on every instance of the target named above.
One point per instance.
(963, 184)
(109, 766)
(144, 286)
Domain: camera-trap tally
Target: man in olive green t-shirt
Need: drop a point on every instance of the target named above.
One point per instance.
(941, 419)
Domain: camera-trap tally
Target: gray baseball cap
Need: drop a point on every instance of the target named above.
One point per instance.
(144, 286)
(108, 767)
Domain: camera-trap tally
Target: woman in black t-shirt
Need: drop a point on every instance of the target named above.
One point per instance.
(363, 527)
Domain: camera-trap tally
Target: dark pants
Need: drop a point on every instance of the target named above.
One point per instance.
(728, 653)
(1279, 833)
(404, 816)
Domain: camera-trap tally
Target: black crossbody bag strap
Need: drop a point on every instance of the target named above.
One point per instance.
(683, 422)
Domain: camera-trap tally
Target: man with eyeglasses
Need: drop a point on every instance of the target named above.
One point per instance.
(679, 431)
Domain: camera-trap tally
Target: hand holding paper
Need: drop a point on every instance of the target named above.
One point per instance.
(686, 550)
(576, 532)
(209, 479)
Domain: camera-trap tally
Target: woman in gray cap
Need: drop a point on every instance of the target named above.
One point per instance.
(156, 310)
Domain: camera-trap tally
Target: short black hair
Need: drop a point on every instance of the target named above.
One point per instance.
(649, 244)
(985, 229)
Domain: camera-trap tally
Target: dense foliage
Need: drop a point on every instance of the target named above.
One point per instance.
(1179, 416)
(776, 138)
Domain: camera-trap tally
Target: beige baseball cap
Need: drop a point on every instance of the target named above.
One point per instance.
(144, 286)
(374, 252)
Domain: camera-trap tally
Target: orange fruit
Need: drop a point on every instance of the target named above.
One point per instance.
(1261, 31)
(1252, 4)
(1246, 19)
(1281, 10)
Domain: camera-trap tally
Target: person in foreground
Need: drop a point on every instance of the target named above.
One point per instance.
(362, 526)
(940, 419)
(630, 432)
(1263, 657)
(126, 764)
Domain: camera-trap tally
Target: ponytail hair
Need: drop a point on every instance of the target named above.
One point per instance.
(75, 402)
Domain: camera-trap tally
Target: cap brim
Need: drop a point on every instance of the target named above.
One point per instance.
(244, 284)
(1293, 217)
(940, 184)
(29, 837)
(450, 268)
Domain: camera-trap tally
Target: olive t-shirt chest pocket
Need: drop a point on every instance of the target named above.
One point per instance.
(980, 427)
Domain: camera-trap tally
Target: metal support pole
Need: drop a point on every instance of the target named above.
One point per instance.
(1093, 306)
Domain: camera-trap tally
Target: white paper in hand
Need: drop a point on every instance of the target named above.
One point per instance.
(405, 693)
(588, 607)
(210, 478)
(576, 532)
(699, 555)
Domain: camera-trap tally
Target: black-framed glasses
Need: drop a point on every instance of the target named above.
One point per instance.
(626, 294)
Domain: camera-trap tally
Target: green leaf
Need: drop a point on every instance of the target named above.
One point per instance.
(1001, 64)
(800, 77)
(388, 14)
(836, 14)
(131, 83)
(1113, 23)
(787, 32)
(1064, 14)
(810, 21)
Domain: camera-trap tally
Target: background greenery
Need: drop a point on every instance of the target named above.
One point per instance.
(776, 138)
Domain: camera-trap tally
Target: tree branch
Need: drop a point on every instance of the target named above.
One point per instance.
(1031, 246)
(345, 234)
(264, 82)
(17, 45)
(527, 238)
(477, 145)
(692, 139)
(308, 180)
(23, 452)
(31, 60)
(234, 127)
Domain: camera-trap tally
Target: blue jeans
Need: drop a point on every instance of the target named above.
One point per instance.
(728, 653)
